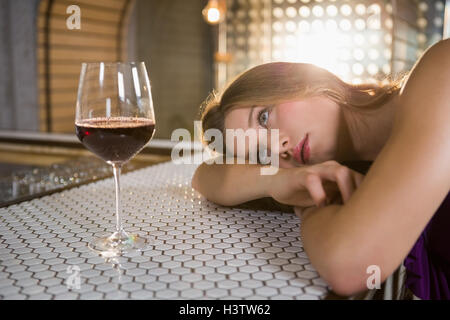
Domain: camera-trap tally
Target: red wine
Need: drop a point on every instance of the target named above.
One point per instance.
(115, 139)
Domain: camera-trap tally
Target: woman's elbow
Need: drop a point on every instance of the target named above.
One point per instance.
(354, 277)
(200, 181)
(346, 286)
(348, 277)
(205, 189)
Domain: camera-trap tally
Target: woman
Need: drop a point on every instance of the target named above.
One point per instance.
(350, 221)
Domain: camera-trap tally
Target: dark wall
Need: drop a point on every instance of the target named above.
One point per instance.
(18, 66)
(175, 43)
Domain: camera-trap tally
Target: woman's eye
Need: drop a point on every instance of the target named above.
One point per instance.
(263, 117)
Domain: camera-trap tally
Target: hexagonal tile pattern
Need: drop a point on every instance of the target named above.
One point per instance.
(198, 250)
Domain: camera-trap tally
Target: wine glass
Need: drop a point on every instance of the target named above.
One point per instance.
(115, 120)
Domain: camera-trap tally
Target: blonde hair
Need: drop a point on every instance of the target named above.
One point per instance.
(278, 82)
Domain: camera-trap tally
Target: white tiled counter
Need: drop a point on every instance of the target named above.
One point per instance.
(199, 250)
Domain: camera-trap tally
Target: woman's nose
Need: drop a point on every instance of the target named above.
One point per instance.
(285, 150)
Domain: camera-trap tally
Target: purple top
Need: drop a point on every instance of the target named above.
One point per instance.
(428, 263)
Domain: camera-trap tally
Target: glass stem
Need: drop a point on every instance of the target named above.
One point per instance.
(116, 169)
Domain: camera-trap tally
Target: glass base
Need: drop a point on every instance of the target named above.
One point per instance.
(118, 243)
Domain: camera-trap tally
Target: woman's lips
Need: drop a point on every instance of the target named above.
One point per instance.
(306, 150)
(302, 151)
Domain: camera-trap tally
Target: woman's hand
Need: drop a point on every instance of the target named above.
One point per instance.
(302, 213)
(319, 184)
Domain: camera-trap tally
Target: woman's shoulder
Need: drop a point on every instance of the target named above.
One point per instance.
(441, 47)
(436, 56)
(435, 62)
(427, 85)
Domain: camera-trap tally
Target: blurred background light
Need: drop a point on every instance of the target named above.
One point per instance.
(317, 11)
(359, 41)
(345, 25)
(291, 12)
(304, 11)
(214, 12)
(332, 11)
(360, 24)
(346, 10)
(360, 9)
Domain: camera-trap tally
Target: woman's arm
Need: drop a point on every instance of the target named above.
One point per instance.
(224, 183)
(233, 184)
(402, 190)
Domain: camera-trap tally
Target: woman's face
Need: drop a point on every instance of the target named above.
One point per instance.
(317, 118)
